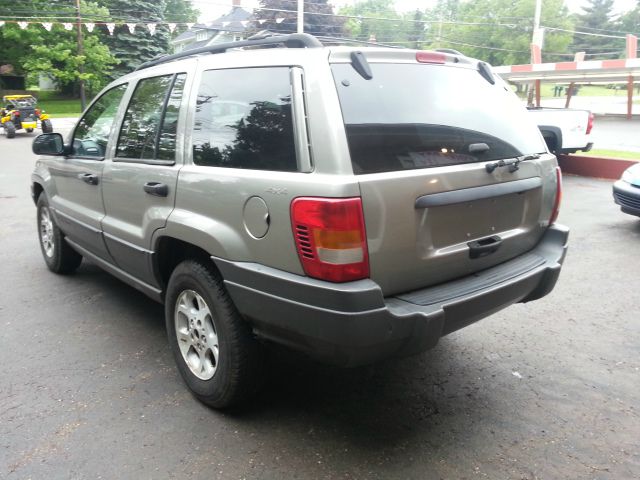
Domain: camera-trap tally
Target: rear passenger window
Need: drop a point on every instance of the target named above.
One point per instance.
(243, 120)
(149, 127)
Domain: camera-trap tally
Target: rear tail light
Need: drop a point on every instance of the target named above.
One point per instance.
(590, 123)
(430, 57)
(330, 238)
(16, 113)
(556, 203)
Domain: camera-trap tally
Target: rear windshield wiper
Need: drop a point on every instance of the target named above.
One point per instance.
(512, 163)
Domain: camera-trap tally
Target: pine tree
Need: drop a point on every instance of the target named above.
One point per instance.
(416, 34)
(597, 19)
(131, 50)
(630, 21)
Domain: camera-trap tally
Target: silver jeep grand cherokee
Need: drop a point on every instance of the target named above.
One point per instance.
(352, 203)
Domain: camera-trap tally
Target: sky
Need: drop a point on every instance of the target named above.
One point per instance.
(212, 9)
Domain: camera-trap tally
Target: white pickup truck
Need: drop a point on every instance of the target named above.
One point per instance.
(565, 130)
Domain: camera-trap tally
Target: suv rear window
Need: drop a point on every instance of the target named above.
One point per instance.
(411, 116)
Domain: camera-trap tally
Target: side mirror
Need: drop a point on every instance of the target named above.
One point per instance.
(49, 144)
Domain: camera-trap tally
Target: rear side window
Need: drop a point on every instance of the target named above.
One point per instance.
(243, 120)
(411, 116)
(149, 127)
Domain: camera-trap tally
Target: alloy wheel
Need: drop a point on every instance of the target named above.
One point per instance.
(196, 334)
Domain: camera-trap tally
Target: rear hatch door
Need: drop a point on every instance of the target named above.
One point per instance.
(420, 137)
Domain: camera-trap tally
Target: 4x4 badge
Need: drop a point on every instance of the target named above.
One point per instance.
(277, 190)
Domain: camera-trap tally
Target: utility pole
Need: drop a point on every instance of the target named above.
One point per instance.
(536, 18)
(83, 99)
(300, 16)
(536, 42)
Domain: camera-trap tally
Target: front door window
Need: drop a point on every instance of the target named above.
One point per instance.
(92, 133)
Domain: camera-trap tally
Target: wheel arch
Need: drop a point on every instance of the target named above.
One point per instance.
(36, 191)
(170, 251)
(554, 134)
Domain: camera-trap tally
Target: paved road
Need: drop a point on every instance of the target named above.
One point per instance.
(614, 104)
(547, 390)
(615, 133)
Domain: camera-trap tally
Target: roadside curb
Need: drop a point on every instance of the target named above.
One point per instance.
(596, 167)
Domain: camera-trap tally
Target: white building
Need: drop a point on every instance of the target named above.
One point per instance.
(227, 28)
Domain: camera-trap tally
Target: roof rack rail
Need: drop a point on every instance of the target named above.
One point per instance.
(293, 40)
(449, 50)
(326, 39)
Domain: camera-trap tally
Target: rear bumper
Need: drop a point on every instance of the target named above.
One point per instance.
(627, 196)
(353, 324)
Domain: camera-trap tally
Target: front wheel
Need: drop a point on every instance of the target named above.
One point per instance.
(10, 128)
(213, 346)
(46, 126)
(58, 255)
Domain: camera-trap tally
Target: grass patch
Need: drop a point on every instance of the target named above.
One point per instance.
(546, 90)
(60, 107)
(614, 154)
(56, 105)
(586, 91)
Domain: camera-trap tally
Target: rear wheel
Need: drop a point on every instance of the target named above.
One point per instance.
(46, 126)
(29, 130)
(213, 346)
(10, 128)
(58, 255)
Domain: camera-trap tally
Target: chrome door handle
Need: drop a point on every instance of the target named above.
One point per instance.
(89, 178)
(156, 189)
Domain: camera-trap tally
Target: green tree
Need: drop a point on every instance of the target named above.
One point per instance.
(630, 21)
(318, 17)
(598, 19)
(133, 49)
(35, 50)
(180, 11)
(63, 62)
(504, 36)
(416, 34)
(376, 20)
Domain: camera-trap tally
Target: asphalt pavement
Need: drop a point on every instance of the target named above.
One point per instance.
(616, 133)
(546, 390)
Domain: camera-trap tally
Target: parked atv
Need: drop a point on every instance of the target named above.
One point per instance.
(20, 112)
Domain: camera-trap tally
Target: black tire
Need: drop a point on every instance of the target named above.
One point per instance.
(29, 130)
(10, 128)
(46, 126)
(237, 372)
(552, 143)
(60, 258)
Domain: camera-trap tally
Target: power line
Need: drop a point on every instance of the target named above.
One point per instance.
(576, 32)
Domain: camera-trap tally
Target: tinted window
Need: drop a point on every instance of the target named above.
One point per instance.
(92, 133)
(141, 134)
(169, 128)
(243, 120)
(416, 116)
